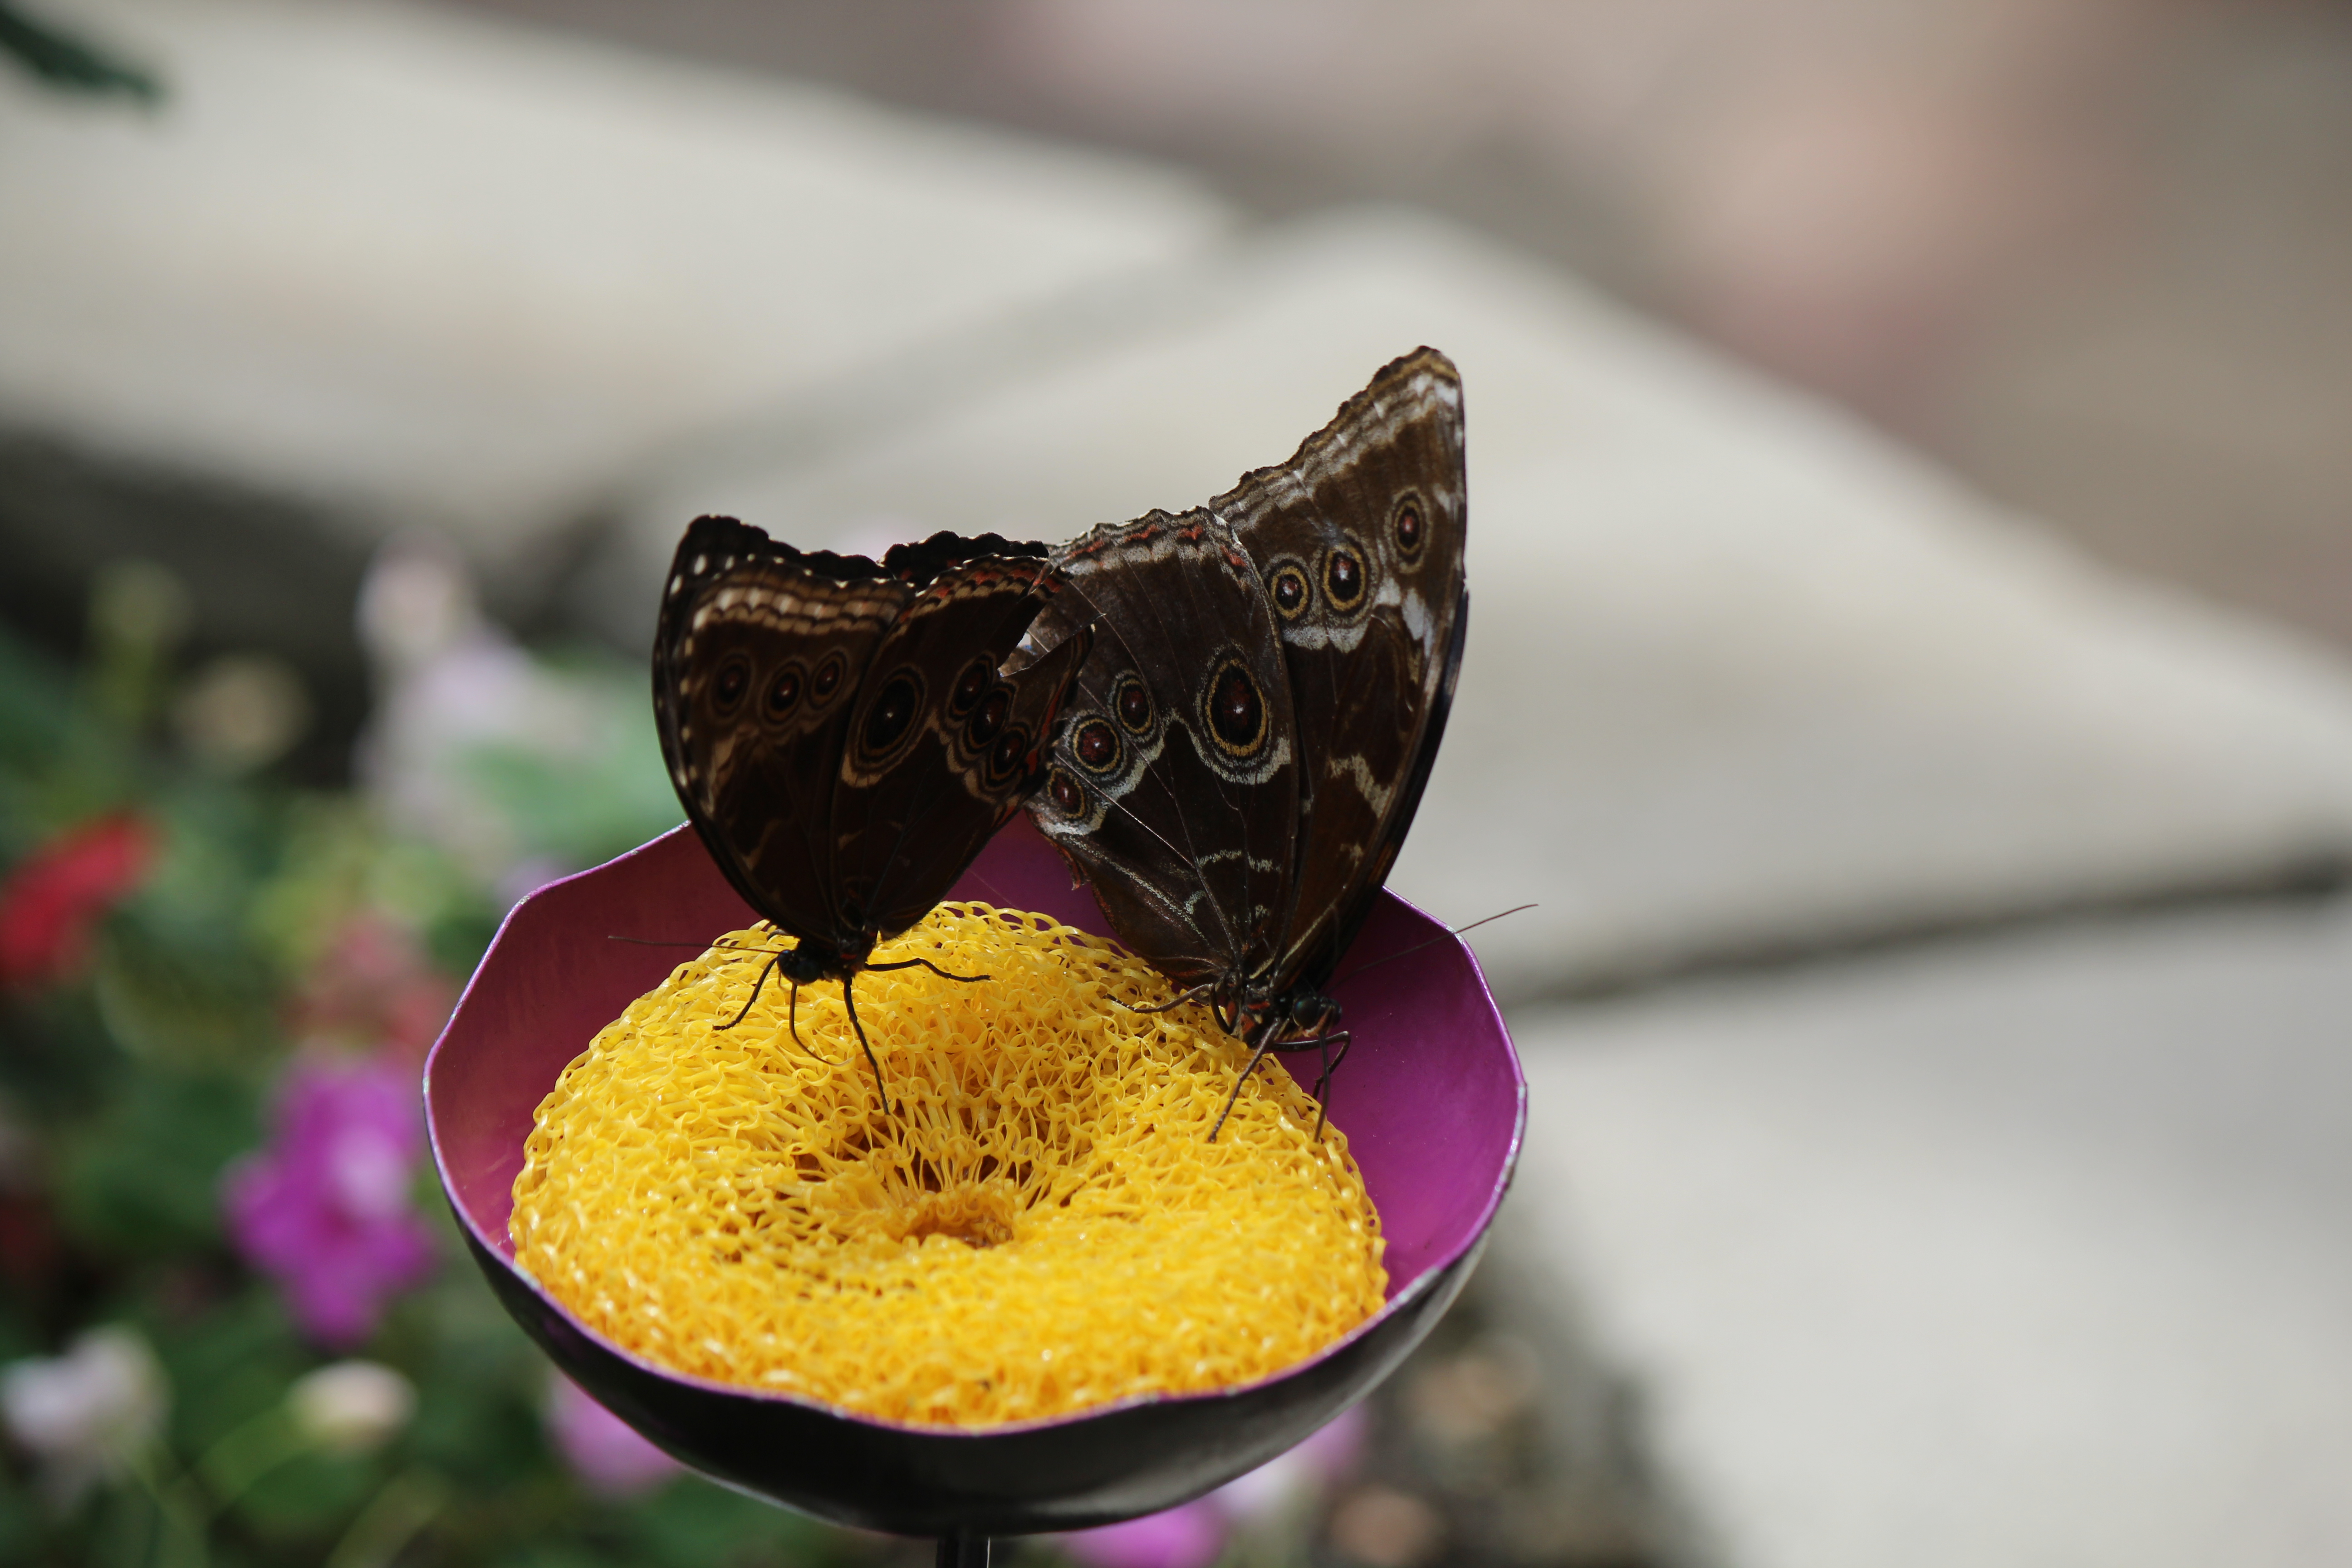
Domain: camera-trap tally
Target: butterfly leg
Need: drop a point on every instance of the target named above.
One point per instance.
(770, 968)
(1264, 1044)
(850, 1002)
(1323, 1080)
(793, 1022)
(1322, 1043)
(1194, 995)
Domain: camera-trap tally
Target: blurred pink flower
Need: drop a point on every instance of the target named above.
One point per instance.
(52, 901)
(602, 1449)
(1298, 1476)
(1190, 1536)
(1194, 1534)
(325, 1208)
(372, 987)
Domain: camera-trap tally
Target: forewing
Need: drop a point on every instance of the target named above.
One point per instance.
(1359, 539)
(758, 661)
(1174, 784)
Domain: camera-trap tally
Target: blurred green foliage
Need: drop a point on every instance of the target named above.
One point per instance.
(128, 1086)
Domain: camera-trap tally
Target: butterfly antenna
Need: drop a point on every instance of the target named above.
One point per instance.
(765, 970)
(1264, 1044)
(1432, 941)
(850, 1002)
(705, 946)
(925, 963)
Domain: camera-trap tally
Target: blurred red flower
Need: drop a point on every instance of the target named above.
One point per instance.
(53, 899)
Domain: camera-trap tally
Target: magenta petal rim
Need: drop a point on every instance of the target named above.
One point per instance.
(1431, 1098)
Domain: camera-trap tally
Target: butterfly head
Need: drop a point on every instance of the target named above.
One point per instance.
(1302, 1012)
(814, 961)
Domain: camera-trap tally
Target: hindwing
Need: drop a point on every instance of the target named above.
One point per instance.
(1174, 785)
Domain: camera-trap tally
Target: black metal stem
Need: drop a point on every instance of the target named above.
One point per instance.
(963, 1549)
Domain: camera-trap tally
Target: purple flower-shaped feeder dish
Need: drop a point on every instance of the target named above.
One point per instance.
(1432, 1100)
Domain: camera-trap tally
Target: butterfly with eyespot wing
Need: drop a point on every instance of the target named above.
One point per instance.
(1251, 734)
(843, 734)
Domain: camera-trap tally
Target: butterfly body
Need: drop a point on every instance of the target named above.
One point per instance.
(843, 734)
(1251, 731)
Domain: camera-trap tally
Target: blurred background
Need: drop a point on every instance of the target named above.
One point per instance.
(1912, 444)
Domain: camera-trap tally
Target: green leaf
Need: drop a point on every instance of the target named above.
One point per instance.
(144, 1177)
(57, 1059)
(21, 1532)
(63, 60)
(227, 1364)
(308, 1498)
(692, 1522)
(182, 1004)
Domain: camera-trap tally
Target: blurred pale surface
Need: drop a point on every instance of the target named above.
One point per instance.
(2028, 1254)
(1739, 673)
(445, 272)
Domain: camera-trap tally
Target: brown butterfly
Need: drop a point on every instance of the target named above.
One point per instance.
(844, 734)
(1253, 728)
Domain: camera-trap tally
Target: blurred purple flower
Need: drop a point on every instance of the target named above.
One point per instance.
(1194, 1534)
(325, 1209)
(1190, 1536)
(602, 1449)
(1298, 1476)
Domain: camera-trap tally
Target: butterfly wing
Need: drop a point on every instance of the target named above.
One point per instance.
(838, 730)
(757, 664)
(1174, 785)
(1358, 539)
(941, 748)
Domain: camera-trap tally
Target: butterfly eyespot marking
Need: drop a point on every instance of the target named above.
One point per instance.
(1064, 792)
(1132, 702)
(733, 679)
(784, 691)
(1409, 527)
(1011, 750)
(674, 585)
(893, 713)
(1343, 579)
(986, 722)
(1290, 591)
(827, 680)
(701, 565)
(1096, 745)
(968, 687)
(1234, 709)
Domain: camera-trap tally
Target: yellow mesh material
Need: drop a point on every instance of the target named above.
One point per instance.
(1043, 1226)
